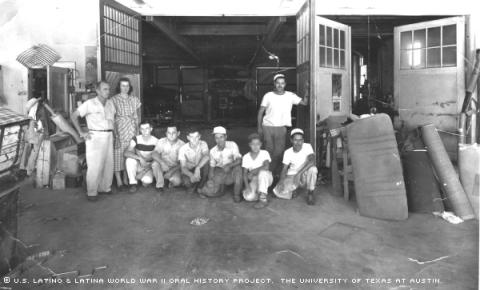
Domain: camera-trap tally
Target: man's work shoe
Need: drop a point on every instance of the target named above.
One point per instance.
(295, 193)
(310, 198)
(237, 198)
(122, 188)
(92, 197)
(260, 204)
(105, 192)
(133, 188)
(159, 189)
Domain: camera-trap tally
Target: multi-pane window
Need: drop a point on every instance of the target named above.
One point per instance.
(332, 47)
(429, 48)
(303, 37)
(121, 37)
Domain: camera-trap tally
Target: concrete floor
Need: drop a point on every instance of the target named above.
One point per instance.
(147, 235)
(150, 235)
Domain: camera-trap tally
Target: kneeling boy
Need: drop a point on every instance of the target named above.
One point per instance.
(256, 174)
(299, 169)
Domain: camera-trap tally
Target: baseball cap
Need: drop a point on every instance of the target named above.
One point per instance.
(219, 130)
(296, 131)
(275, 77)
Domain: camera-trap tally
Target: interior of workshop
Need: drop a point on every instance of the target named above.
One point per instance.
(391, 116)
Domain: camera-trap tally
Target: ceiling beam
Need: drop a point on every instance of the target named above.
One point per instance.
(273, 28)
(173, 35)
(221, 29)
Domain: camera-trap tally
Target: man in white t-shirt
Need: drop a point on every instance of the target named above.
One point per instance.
(225, 167)
(277, 107)
(299, 169)
(139, 160)
(257, 176)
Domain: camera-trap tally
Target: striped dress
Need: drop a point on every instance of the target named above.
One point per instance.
(126, 123)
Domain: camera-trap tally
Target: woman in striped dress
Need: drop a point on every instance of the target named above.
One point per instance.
(126, 126)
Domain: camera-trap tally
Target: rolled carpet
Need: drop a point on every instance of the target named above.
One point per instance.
(446, 173)
(469, 167)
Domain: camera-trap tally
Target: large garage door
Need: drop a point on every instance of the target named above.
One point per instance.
(120, 45)
(429, 72)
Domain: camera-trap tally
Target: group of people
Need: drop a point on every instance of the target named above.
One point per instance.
(117, 141)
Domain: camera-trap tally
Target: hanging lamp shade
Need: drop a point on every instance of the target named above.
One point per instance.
(38, 56)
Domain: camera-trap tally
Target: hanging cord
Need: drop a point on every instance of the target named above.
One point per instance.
(368, 56)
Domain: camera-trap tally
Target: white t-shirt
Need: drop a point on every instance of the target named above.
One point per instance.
(220, 158)
(278, 111)
(296, 159)
(250, 164)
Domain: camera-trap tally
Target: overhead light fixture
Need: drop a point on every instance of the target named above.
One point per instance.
(272, 56)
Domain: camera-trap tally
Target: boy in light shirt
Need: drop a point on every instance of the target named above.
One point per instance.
(299, 169)
(225, 167)
(165, 158)
(193, 157)
(256, 174)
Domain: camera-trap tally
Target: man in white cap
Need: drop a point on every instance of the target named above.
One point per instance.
(274, 116)
(225, 167)
(299, 169)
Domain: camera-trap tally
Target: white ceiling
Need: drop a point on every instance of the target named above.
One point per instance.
(291, 7)
(214, 7)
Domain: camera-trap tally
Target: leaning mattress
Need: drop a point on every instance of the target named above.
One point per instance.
(379, 184)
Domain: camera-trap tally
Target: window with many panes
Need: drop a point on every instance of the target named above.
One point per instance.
(332, 47)
(121, 37)
(432, 47)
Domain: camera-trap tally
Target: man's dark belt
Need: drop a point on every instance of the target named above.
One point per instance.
(102, 130)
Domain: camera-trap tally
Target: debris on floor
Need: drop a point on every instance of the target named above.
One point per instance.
(199, 221)
(291, 252)
(449, 217)
(427, 262)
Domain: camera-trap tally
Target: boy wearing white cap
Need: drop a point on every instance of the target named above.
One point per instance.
(277, 107)
(225, 166)
(299, 169)
(256, 174)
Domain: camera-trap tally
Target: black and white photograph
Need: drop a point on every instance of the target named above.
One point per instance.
(254, 144)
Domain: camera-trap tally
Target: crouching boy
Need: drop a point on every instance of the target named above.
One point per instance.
(193, 157)
(165, 158)
(225, 167)
(256, 174)
(139, 159)
(299, 169)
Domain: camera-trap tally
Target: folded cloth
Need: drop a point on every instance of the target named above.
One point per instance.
(285, 188)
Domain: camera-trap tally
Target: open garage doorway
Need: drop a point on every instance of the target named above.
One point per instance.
(214, 69)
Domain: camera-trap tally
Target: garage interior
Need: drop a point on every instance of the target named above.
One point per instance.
(217, 69)
(207, 71)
